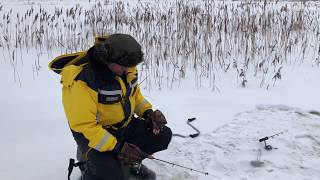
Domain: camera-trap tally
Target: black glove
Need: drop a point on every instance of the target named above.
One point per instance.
(155, 120)
(129, 153)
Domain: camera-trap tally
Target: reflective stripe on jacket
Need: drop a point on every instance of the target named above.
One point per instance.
(94, 102)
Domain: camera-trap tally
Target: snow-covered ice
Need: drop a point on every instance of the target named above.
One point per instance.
(36, 142)
(227, 151)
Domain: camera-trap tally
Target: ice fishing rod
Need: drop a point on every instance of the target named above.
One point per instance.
(191, 169)
(174, 164)
(266, 146)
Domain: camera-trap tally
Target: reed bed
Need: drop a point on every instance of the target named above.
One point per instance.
(206, 39)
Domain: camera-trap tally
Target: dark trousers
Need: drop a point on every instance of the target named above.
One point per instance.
(105, 165)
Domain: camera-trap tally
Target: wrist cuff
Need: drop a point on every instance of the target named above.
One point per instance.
(117, 148)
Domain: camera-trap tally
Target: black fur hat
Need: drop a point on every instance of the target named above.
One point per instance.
(121, 49)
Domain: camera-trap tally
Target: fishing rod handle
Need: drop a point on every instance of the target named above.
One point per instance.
(263, 139)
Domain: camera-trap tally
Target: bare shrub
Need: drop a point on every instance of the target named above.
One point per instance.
(179, 37)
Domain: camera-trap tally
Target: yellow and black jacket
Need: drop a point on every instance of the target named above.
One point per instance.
(95, 100)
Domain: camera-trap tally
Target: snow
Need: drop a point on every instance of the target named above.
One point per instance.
(227, 151)
(36, 142)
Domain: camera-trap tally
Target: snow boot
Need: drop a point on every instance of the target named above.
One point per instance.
(138, 171)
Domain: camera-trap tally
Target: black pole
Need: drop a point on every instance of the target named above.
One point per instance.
(205, 173)
(144, 155)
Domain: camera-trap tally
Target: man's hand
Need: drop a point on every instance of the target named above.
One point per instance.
(156, 120)
(130, 153)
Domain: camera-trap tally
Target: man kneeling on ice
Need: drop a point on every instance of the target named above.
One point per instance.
(100, 96)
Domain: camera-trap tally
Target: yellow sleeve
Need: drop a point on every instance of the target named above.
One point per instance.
(80, 105)
(141, 103)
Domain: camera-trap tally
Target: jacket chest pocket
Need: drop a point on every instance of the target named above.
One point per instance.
(110, 113)
(109, 97)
